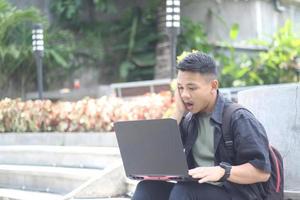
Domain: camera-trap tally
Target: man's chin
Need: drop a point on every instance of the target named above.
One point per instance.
(194, 111)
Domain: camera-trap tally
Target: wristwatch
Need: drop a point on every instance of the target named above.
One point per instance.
(227, 168)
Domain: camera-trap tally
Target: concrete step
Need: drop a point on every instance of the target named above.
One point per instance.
(111, 183)
(13, 194)
(44, 179)
(131, 185)
(59, 156)
(60, 139)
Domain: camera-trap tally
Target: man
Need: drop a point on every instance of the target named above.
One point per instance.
(221, 177)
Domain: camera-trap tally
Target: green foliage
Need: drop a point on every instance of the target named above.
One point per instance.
(277, 65)
(233, 67)
(124, 45)
(234, 31)
(66, 9)
(193, 36)
(142, 36)
(60, 53)
(70, 12)
(16, 58)
(15, 40)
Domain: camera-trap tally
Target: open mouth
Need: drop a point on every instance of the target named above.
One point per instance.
(189, 105)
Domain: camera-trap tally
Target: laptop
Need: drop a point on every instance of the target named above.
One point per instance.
(152, 150)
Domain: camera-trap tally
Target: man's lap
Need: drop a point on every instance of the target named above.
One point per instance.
(159, 190)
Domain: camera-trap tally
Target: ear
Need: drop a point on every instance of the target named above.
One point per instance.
(214, 85)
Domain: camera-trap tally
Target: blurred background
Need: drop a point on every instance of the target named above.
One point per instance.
(70, 68)
(96, 43)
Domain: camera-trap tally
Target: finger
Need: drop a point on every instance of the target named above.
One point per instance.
(200, 175)
(204, 180)
(194, 171)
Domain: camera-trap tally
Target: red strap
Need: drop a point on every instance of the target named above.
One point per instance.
(278, 177)
(162, 178)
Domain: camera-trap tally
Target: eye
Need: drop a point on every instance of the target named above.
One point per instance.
(192, 88)
(180, 89)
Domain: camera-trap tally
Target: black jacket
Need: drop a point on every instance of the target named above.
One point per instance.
(250, 145)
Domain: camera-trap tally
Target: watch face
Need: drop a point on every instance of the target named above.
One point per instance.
(225, 164)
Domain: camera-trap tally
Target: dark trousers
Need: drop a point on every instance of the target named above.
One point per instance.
(160, 190)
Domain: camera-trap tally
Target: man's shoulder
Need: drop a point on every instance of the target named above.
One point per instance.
(243, 113)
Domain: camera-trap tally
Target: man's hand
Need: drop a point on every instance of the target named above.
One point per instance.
(180, 107)
(207, 174)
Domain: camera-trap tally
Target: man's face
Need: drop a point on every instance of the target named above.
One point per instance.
(196, 92)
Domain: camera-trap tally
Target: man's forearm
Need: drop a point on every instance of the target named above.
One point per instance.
(247, 174)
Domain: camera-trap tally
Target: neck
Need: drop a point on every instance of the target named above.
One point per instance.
(211, 105)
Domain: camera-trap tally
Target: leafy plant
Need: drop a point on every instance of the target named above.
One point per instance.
(70, 13)
(193, 36)
(274, 65)
(16, 57)
(15, 42)
(142, 37)
(123, 47)
(277, 65)
(84, 115)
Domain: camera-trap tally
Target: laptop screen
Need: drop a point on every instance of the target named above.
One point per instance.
(151, 148)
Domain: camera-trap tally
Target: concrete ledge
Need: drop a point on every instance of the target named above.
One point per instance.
(291, 195)
(60, 139)
(59, 156)
(44, 179)
(111, 183)
(278, 108)
(65, 183)
(12, 194)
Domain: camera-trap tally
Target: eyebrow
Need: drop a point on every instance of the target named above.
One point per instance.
(189, 84)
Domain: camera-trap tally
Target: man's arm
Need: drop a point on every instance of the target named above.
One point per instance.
(241, 174)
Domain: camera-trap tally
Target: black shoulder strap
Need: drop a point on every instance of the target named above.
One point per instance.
(227, 113)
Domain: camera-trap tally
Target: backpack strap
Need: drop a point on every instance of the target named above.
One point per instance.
(227, 134)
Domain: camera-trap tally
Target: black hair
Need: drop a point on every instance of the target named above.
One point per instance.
(198, 62)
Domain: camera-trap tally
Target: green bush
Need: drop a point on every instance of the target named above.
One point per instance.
(17, 63)
(84, 115)
(274, 65)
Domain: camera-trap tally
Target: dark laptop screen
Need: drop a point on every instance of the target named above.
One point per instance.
(151, 147)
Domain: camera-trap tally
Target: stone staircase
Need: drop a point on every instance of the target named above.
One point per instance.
(37, 167)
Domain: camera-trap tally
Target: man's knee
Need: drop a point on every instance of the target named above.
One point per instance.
(149, 190)
(179, 192)
(142, 190)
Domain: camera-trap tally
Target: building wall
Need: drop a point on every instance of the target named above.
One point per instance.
(256, 18)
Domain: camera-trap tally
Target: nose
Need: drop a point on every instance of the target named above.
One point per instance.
(185, 94)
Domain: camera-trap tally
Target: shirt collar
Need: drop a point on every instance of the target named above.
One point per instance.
(217, 113)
